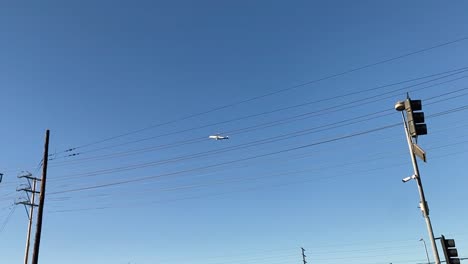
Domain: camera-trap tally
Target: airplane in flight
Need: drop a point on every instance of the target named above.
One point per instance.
(218, 137)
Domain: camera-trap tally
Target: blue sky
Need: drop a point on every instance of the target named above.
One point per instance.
(127, 83)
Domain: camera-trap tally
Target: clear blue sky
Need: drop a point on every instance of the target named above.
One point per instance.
(92, 70)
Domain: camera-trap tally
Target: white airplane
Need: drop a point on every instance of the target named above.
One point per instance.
(218, 137)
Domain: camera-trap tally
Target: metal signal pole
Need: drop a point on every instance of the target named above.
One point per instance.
(414, 150)
(40, 211)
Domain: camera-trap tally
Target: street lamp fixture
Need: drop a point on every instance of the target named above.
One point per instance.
(425, 248)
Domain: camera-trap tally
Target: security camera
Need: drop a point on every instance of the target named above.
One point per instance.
(409, 178)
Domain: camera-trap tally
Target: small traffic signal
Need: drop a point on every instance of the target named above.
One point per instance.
(450, 252)
(415, 119)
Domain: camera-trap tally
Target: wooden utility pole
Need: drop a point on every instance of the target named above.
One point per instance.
(40, 210)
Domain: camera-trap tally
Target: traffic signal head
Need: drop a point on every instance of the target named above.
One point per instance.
(415, 120)
(450, 252)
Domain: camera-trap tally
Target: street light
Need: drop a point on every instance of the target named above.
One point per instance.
(413, 128)
(425, 247)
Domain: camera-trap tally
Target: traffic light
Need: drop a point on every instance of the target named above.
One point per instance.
(450, 252)
(415, 119)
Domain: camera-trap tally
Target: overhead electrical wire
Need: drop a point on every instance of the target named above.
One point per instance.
(289, 119)
(281, 137)
(450, 92)
(274, 175)
(302, 155)
(406, 55)
(337, 108)
(218, 182)
(200, 139)
(270, 139)
(256, 156)
(366, 160)
(238, 257)
(359, 162)
(146, 202)
(98, 186)
(249, 179)
(286, 136)
(231, 148)
(258, 252)
(7, 219)
(227, 162)
(242, 255)
(446, 73)
(255, 259)
(271, 93)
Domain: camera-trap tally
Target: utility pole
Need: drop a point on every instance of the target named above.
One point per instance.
(413, 129)
(303, 256)
(40, 211)
(31, 203)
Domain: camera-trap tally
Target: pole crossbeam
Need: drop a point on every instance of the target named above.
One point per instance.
(29, 190)
(27, 203)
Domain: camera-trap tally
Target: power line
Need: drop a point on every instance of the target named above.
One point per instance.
(248, 158)
(146, 202)
(307, 155)
(240, 146)
(337, 108)
(287, 173)
(259, 141)
(267, 140)
(286, 136)
(239, 257)
(12, 210)
(278, 122)
(241, 179)
(450, 73)
(296, 133)
(289, 119)
(233, 180)
(141, 193)
(225, 163)
(272, 93)
(224, 256)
